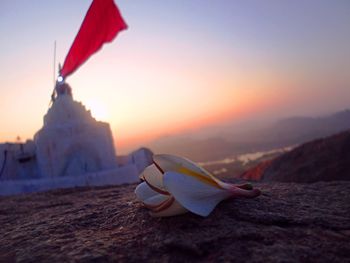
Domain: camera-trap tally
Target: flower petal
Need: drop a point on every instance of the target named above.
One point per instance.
(155, 201)
(154, 179)
(174, 209)
(173, 185)
(167, 163)
(143, 192)
(193, 194)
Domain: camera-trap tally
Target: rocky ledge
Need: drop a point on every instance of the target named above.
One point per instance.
(287, 223)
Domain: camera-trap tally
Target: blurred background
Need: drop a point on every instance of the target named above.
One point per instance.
(209, 80)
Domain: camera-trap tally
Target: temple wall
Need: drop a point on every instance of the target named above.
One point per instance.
(121, 175)
(75, 149)
(17, 161)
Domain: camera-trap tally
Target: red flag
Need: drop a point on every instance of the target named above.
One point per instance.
(102, 23)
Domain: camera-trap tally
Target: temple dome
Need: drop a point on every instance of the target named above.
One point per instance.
(66, 110)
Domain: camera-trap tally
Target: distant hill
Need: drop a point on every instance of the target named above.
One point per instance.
(302, 129)
(291, 131)
(325, 159)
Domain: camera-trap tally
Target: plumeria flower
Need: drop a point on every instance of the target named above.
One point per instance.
(174, 185)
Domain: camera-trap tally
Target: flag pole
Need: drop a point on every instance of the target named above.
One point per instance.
(54, 75)
(54, 63)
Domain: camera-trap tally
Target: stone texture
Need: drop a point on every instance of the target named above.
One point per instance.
(287, 223)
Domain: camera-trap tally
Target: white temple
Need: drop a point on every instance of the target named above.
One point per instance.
(71, 149)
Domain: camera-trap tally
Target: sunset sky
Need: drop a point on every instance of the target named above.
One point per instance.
(181, 65)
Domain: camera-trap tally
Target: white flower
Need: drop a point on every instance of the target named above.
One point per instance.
(174, 185)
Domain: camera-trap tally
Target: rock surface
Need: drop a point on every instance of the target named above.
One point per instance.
(325, 159)
(287, 223)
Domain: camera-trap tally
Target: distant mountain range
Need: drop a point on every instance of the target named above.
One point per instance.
(286, 132)
(325, 159)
